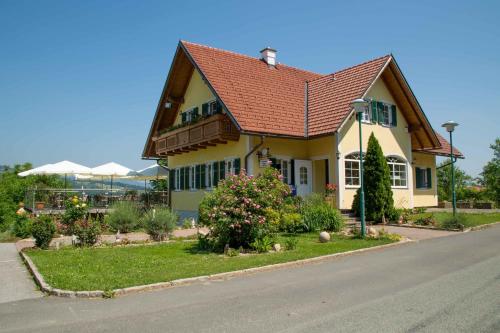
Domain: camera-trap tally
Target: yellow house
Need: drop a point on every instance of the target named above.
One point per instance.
(221, 112)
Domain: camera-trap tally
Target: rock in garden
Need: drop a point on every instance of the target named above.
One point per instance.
(324, 237)
(372, 232)
(277, 247)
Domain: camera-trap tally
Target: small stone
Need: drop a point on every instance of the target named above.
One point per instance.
(324, 237)
(372, 232)
(277, 247)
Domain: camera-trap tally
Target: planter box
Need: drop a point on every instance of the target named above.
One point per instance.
(445, 204)
(464, 204)
(39, 205)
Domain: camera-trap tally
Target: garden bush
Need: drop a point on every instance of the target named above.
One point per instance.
(159, 222)
(242, 208)
(43, 229)
(123, 217)
(291, 243)
(87, 231)
(22, 226)
(318, 215)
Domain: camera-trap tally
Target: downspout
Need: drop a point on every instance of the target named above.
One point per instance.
(253, 151)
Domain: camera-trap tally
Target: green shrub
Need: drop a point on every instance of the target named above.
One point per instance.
(43, 229)
(124, 217)
(453, 223)
(395, 214)
(263, 244)
(291, 243)
(291, 222)
(22, 226)
(87, 231)
(318, 215)
(243, 208)
(383, 234)
(159, 222)
(205, 243)
(425, 220)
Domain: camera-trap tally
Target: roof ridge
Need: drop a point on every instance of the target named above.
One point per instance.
(247, 56)
(351, 67)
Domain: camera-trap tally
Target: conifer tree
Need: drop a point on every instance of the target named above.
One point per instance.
(379, 202)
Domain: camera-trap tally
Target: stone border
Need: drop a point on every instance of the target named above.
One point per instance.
(45, 287)
(482, 226)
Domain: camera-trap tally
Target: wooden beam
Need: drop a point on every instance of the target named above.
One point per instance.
(175, 100)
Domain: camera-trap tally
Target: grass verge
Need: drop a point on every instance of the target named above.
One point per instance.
(119, 267)
(470, 219)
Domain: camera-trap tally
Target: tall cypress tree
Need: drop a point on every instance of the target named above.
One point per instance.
(379, 202)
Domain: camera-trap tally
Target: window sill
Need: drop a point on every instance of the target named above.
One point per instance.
(352, 186)
(400, 187)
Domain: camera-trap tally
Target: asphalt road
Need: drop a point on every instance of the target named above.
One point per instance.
(448, 284)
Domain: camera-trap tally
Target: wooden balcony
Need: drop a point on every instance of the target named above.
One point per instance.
(207, 132)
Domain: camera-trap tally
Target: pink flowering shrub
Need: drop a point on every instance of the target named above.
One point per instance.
(243, 208)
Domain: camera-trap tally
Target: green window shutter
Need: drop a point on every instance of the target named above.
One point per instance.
(182, 185)
(204, 109)
(429, 178)
(292, 172)
(218, 108)
(237, 166)
(186, 177)
(374, 112)
(203, 170)
(183, 117)
(198, 176)
(380, 113)
(222, 169)
(171, 179)
(215, 172)
(195, 113)
(394, 115)
(418, 178)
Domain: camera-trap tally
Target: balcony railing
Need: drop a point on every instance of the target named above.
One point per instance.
(206, 132)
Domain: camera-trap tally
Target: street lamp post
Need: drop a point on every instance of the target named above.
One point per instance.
(450, 127)
(360, 106)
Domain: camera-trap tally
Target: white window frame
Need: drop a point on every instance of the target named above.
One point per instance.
(212, 108)
(366, 116)
(424, 169)
(351, 160)
(209, 179)
(387, 108)
(397, 161)
(192, 178)
(287, 176)
(177, 179)
(303, 181)
(229, 166)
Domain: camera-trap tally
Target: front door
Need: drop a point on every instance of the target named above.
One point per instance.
(303, 177)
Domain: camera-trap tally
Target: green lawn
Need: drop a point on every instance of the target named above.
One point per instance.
(111, 268)
(472, 219)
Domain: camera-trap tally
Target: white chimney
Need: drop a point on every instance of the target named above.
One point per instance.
(269, 56)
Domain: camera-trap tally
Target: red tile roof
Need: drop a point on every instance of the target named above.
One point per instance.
(261, 98)
(330, 96)
(444, 150)
(272, 100)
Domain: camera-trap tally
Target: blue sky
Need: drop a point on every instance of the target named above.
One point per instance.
(80, 80)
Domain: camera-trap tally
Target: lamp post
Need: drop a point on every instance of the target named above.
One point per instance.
(360, 106)
(450, 127)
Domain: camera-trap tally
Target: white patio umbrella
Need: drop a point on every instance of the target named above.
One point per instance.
(113, 170)
(35, 171)
(152, 172)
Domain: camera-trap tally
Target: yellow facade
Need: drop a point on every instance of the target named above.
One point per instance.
(395, 141)
(425, 197)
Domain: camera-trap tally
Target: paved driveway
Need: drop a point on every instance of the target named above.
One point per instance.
(15, 281)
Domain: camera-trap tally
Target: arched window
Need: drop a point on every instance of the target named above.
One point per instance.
(351, 167)
(397, 167)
